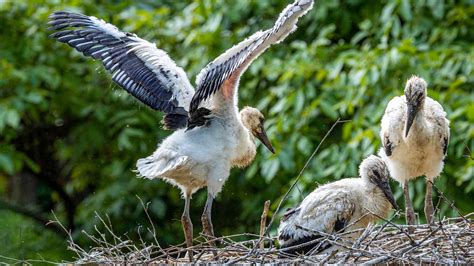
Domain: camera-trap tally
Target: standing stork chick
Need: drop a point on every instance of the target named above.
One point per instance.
(211, 135)
(415, 136)
(344, 205)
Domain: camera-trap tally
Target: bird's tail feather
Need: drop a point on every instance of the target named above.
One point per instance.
(158, 164)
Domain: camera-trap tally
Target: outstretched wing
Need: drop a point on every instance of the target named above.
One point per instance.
(136, 65)
(224, 72)
(324, 210)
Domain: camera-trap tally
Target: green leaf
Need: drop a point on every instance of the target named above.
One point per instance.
(7, 164)
(405, 10)
(12, 118)
(387, 11)
(269, 169)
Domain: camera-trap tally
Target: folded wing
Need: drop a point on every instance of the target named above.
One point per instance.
(136, 65)
(391, 128)
(322, 212)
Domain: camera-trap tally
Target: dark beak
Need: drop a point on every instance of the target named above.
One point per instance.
(411, 113)
(262, 136)
(387, 191)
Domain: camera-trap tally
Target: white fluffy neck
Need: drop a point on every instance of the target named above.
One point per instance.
(376, 201)
(246, 149)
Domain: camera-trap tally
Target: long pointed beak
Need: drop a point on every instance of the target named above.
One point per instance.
(387, 191)
(262, 136)
(411, 113)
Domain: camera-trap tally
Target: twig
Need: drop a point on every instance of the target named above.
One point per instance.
(356, 244)
(338, 121)
(381, 229)
(263, 222)
(413, 242)
(451, 204)
(469, 152)
(145, 208)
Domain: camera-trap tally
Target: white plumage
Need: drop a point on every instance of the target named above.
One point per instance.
(339, 206)
(415, 136)
(211, 135)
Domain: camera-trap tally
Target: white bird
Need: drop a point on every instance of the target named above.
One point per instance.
(415, 137)
(340, 206)
(211, 135)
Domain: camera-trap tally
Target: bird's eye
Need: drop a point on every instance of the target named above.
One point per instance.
(420, 97)
(377, 174)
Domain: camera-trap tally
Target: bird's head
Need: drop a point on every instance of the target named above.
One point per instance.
(415, 94)
(253, 120)
(374, 171)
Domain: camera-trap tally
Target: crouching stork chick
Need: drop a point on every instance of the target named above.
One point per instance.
(339, 206)
(212, 135)
(415, 137)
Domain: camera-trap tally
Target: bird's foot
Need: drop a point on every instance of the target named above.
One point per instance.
(189, 254)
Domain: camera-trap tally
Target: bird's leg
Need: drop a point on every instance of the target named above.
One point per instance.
(206, 217)
(207, 222)
(409, 213)
(187, 225)
(429, 209)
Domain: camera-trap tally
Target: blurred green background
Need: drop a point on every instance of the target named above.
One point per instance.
(69, 137)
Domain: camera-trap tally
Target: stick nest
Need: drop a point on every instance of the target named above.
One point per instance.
(448, 241)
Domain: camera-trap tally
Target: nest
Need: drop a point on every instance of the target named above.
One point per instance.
(448, 241)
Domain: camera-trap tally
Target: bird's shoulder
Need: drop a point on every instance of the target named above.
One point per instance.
(394, 114)
(393, 121)
(395, 106)
(434, 110)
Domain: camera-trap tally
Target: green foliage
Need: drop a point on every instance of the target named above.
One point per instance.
(62, 118)
(20, 238)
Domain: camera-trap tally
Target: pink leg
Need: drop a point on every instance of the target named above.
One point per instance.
(429, 209)
(187, 225)
(207, 221)
(409, 213)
